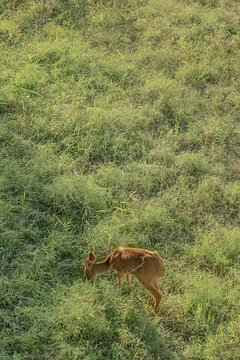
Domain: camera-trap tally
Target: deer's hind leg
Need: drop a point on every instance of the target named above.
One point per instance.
(155, 284)
(128, 279)
(155, 293)
(151, 286)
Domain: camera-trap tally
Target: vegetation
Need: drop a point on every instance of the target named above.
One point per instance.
(119, 126)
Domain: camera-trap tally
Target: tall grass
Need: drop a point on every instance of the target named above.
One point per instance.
(119, 126)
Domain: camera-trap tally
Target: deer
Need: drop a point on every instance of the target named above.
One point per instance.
(145, 265)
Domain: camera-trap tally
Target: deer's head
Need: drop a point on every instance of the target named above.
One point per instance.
(88, 266)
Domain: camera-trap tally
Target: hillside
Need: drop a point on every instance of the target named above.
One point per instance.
(119, 125)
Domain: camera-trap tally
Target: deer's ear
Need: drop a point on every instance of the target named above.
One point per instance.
(92, 257)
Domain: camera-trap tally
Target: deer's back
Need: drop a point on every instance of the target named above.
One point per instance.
(137, 260)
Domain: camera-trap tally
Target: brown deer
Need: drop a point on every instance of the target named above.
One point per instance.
(146, 265)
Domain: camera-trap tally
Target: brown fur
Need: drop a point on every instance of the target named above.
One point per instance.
(146, 265)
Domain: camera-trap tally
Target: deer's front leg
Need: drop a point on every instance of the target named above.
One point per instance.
(120, 280)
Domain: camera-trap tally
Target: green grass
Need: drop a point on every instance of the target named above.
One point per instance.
(119, 126)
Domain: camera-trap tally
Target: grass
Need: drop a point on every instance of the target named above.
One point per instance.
(119, 126)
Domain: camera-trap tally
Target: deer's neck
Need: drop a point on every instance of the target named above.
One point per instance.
(101, 266)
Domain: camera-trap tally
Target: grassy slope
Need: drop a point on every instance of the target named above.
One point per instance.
(119, 125)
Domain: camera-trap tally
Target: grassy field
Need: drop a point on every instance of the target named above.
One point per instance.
(119, 126)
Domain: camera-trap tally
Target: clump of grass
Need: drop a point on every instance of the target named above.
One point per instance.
(218, 250)
(195, 165)
(225, 344)
(220, 201)
(77, 199)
